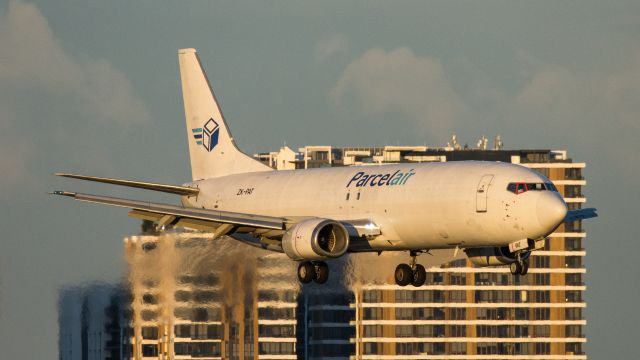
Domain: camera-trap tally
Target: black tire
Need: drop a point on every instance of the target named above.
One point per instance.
(419, 276)
(321, 272)
(306, 272)
(525, 268)
(403, 275)
(515, 268)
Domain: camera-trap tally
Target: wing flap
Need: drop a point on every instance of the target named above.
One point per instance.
(172, 189)
(144, 208)
(145, 215)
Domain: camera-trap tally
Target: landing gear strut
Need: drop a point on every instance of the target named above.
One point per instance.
(520, 266)
(414, 274)
(317, 271)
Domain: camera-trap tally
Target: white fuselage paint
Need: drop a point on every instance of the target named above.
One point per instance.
(434, 205)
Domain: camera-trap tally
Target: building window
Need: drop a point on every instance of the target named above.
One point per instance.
(458, 348)
(149, 350)
(573, 279)
(573, 174)
(543, 348)
(573, 314)
(573, 244)
(372, 313)
(458, 331)
(574, 262)
(541, 261)
(541, 313)
(458, 296)
(372, 330)
(573, 296)
(150, 332)
(573, 331)
(573, 191)
(573, 349)
(372, 296)
(370, 348)
(458, 313)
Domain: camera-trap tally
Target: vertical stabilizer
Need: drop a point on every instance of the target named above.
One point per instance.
(212, 150)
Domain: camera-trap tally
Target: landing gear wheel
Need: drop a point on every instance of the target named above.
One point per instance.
(403, 274)
(515, 268)
(419, 276)
(525, 267)
(306, 272)
(321, 272)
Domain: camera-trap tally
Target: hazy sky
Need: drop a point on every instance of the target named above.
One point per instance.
(93, 87)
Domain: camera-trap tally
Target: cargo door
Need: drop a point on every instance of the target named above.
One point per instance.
(481, 193)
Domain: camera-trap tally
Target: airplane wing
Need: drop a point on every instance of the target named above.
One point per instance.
(580, 214)
(172, 189)
(221, 222)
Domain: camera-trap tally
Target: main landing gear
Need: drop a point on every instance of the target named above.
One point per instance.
(317, 271)
(520, 266)
(414, 274)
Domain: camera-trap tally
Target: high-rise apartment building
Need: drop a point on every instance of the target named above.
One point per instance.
(193, 297)
(464, 312)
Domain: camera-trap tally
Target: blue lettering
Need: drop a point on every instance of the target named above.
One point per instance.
(397, 178)
(373, 179)
(355, 177)
(384, 178)
(362, 181)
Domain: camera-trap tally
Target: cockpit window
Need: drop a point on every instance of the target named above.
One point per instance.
(550, 187)
(520, 187)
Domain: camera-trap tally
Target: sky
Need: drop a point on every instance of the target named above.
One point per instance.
(93, 87)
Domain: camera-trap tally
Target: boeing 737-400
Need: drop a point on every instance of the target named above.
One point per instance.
(497, 213)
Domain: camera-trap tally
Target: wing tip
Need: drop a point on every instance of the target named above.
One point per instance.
(63, 193)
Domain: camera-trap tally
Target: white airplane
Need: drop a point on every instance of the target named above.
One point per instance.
(496, 212)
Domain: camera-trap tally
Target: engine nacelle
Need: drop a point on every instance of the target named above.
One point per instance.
(315, 239)
(493, 256)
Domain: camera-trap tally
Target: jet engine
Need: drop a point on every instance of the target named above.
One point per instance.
(315, 239)
(493, 256)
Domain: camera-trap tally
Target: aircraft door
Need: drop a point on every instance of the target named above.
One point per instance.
(481, 193)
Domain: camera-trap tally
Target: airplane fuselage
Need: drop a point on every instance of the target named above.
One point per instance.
(418, 205)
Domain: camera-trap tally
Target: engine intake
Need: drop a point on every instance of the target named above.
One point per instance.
(493, 256)
(315, 239)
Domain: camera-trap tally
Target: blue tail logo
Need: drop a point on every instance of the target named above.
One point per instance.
(207, 135)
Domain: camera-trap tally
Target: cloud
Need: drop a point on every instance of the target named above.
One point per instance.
(33, 58)
(15, 154)
(326, 48)
(46, 93)
(592, 110)
(400, 81)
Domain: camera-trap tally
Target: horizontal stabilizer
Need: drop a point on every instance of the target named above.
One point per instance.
(146, 209)
(172, 189)
(580, 214)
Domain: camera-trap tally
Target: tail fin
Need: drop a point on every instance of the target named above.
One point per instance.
(212, 150)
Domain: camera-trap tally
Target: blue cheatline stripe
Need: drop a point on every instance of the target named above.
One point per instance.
(197, 136)
(199, 142)
(197, 130)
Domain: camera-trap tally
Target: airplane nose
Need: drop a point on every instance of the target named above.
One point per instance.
(551, 210)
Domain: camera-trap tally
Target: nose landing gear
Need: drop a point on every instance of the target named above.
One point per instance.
(414, 274)
(520, 266)
(318, 271)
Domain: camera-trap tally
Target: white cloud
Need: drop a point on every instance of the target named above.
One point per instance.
(595, 111)
(326, 48)
(34, 58)
(403, 82)
(38, 78)
(15, 154)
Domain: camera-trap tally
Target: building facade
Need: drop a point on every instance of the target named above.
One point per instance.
(464, 312)
(93, 322)
(192, 297)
